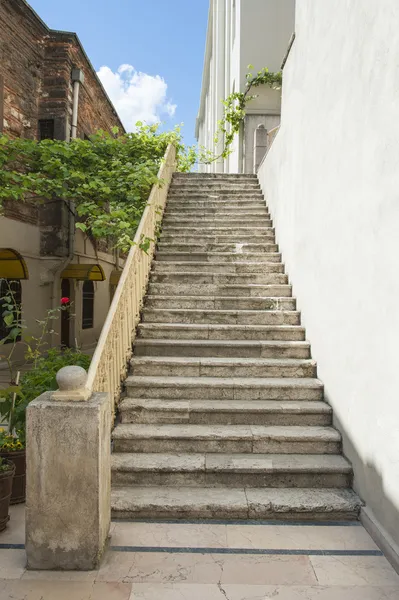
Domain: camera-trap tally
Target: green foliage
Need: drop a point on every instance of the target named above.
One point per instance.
(108, 177)
(5, 465)
(235, 109)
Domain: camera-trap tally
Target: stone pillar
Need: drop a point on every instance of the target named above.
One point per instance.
(68, 503)
(260, 146)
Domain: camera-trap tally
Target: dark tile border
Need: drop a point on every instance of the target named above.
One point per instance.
(257, 551)
(246, 522)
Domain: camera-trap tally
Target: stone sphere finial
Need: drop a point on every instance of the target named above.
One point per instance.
(72, 384)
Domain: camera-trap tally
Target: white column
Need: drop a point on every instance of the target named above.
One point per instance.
(227, 78)
(219, 29)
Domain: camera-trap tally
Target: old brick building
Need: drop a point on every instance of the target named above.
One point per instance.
(47, 80)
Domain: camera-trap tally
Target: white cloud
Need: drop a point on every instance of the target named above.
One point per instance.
(137, 96)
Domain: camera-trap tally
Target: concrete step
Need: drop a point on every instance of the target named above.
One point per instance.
(214, 267)
(199, 277)
(231, 470)
(217, 257)
(219, 317)
(221, 349)
(229, 412)
(222, 195)
(183, 366)
(219, 388)
(216, 222)
(228, 241)
(210, 247)
(242, 230)
(197, 176)
(215, 188)
(198, 331)
(221, 439)
(215, 289)
(208, 212)
(219, 303)
(292, 504)
(217, 206)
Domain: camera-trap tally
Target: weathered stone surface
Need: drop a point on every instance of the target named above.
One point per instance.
(224, 415)
(68, 483)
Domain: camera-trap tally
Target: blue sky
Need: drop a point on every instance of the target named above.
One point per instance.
(155, 37)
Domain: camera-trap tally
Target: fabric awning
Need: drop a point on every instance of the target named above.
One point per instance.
(83, 272)
(12, 265)
(115, 277)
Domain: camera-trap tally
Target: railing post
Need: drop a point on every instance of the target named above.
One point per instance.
(260, 146)
(68, 504)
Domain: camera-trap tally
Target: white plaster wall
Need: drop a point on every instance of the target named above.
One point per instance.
(331, 180)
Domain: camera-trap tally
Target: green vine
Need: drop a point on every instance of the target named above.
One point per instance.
(235, 110)
(108, 177)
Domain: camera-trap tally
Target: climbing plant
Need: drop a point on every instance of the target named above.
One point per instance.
(108, 177)
(235, 106)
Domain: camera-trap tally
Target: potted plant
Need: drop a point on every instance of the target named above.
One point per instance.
(7, 470)
(12, 450)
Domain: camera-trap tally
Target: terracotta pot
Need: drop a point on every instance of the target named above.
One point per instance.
(19, 483)
(6, 478)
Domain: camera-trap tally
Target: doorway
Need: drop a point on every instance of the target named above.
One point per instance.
(65, 315)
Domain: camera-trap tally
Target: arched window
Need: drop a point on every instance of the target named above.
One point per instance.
(88, 305)
(10, 296)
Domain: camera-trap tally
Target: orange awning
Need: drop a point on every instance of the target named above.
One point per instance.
(83, 272)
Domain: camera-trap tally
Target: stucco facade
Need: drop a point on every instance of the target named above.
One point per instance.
(331, 180)
(240, 33)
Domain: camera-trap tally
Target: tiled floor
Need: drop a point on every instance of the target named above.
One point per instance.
(218, 561)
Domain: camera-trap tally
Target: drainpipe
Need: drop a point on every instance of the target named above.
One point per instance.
(77, 78)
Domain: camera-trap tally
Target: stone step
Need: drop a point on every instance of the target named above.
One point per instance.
(230, 248)
(208, 212)
(219, 317)
(199, 277)
(217, 257)
(231, 470)
(216, 223)
(215, 188)
(209, 247)
(218, 197)
(219, 303)
(225, 348)
(223, 206)
(219, 388)
(221, 439)
(222, 194)
(214, 267)
(183, 366)
(179, 331)
(215, 231)
(291, 504)
(211, 289)
(229, 412)
(197, 176)
(219, 242)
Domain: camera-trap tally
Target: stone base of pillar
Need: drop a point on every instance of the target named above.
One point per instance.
(68, 504)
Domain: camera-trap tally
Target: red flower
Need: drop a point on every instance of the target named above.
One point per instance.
(65, 301)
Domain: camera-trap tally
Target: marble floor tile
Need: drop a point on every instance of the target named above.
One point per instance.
(171, 591)
(63, 590)
(266, 570)
(12, 564)
(160, 567)
(15, 530)
(84, 576)
(291, 537)
(260, 592)
(180, 535)
(354, 570)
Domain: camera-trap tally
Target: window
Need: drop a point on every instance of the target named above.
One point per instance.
(46, 129)
(13, 288)
(88, 305)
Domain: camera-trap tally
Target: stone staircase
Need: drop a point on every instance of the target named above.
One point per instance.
(224, 416)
